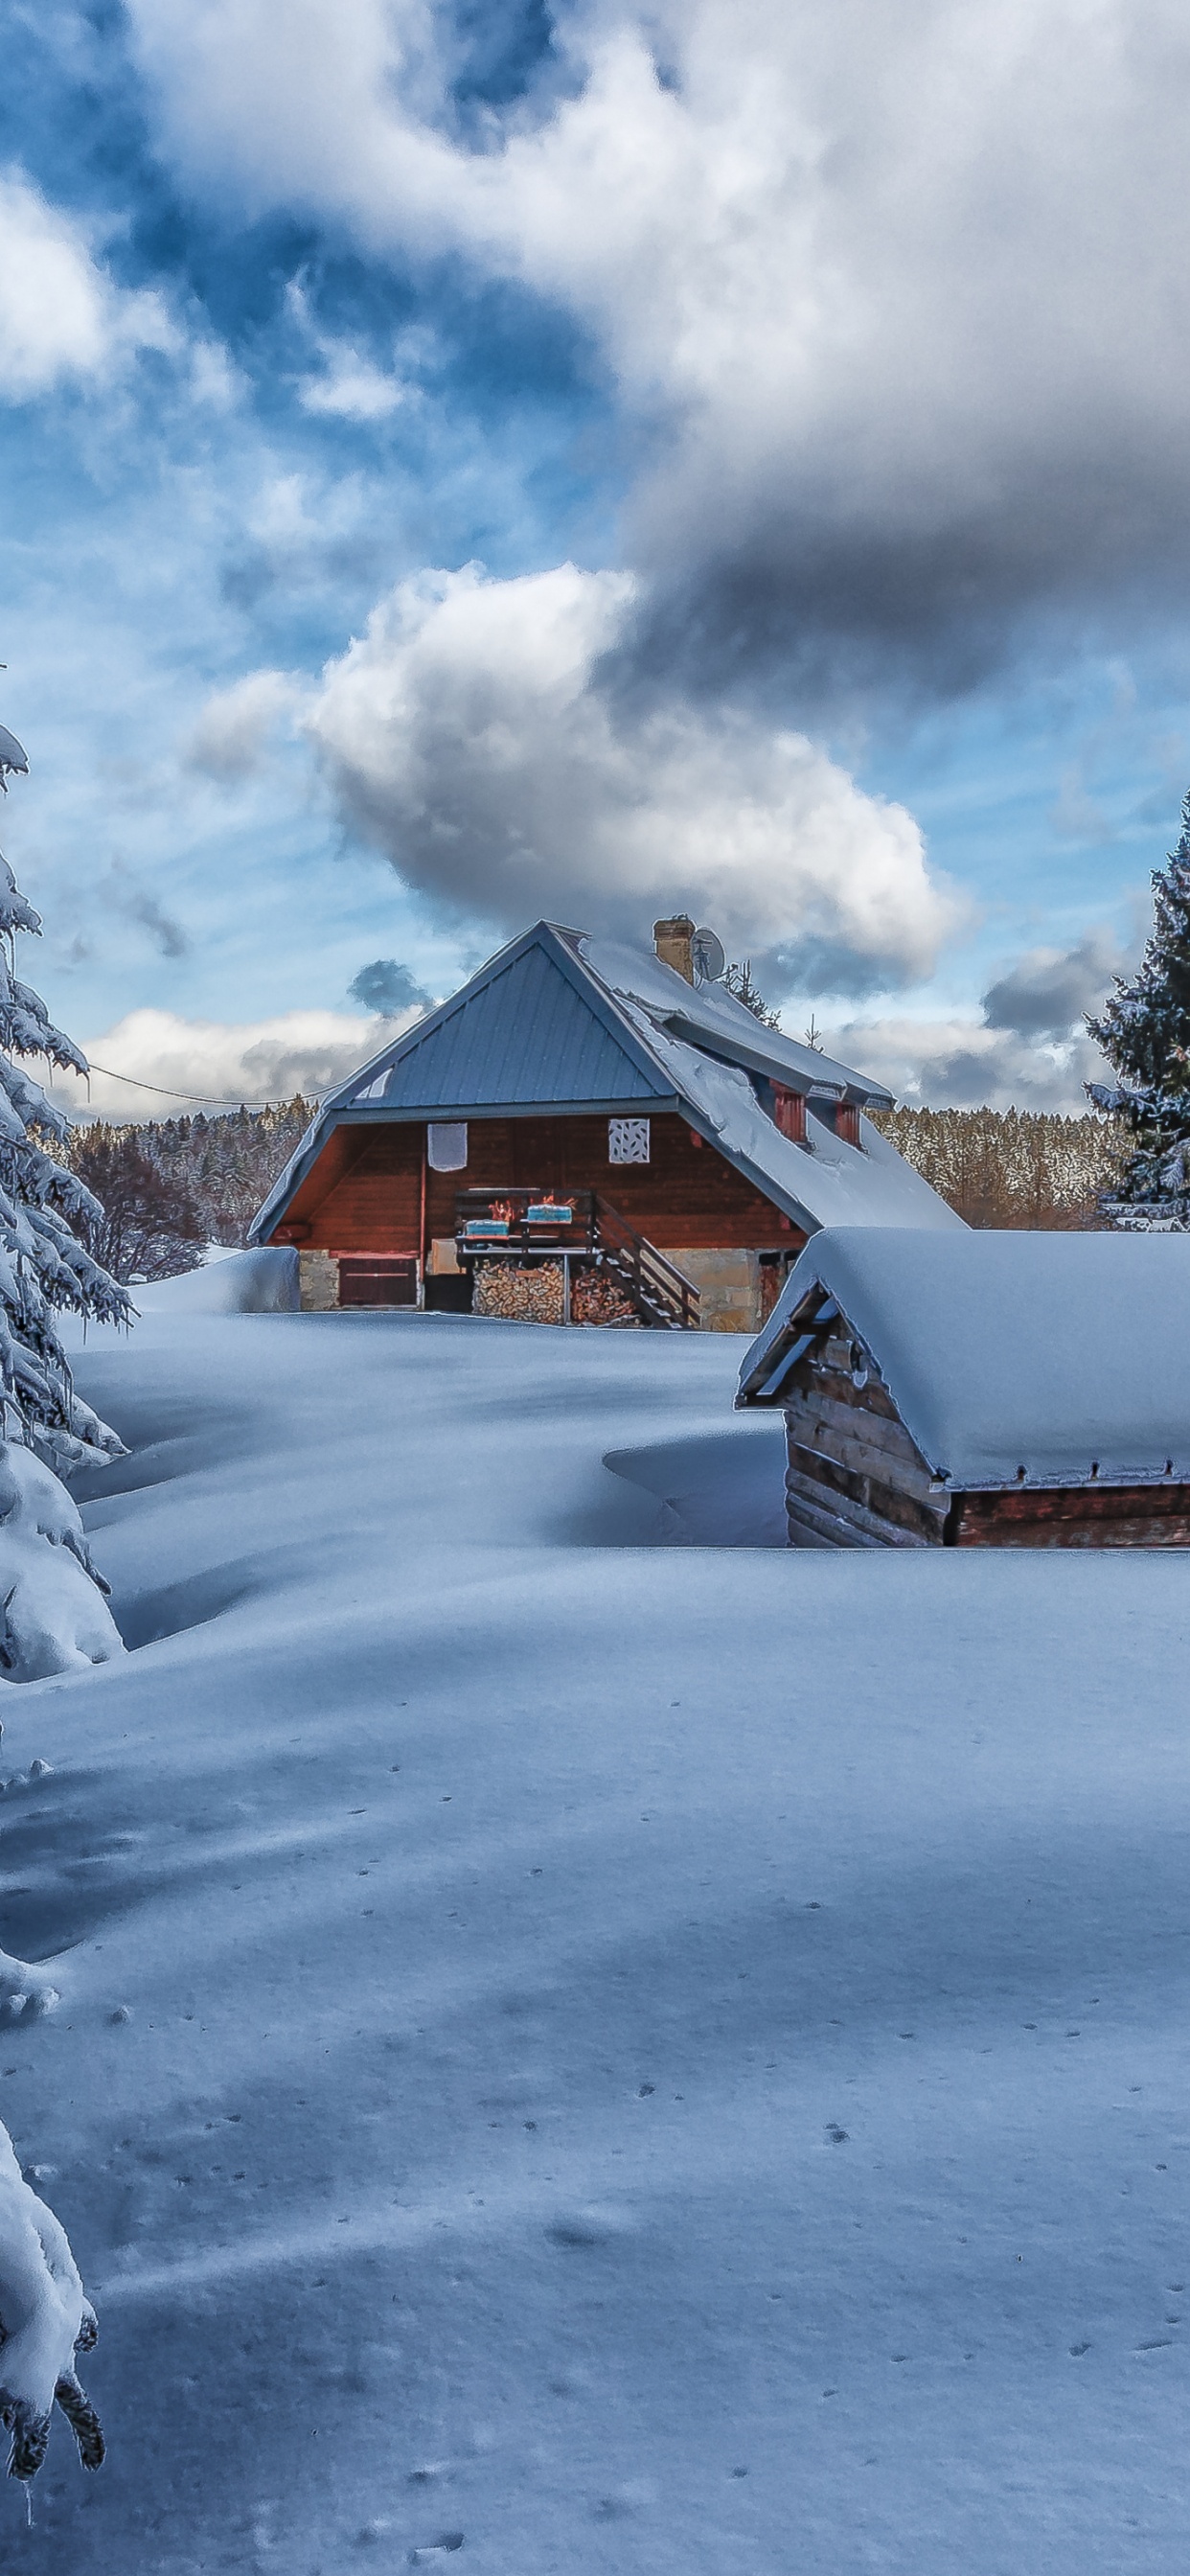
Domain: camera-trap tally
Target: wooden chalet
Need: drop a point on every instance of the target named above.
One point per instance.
(584, 1107)
(980, 1389)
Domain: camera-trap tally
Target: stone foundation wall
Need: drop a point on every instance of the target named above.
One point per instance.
(318, 1282)
(728, 1284)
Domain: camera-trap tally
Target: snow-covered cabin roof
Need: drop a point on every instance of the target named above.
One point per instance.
(562, 1022)
(1036, 1359)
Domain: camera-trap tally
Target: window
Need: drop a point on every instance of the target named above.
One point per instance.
(789, 1111)
(446, 1148)
(628, 1140)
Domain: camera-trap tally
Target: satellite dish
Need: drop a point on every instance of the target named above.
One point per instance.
(708, 956)
(11, 754)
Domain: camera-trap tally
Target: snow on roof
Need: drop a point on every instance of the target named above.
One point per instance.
(823, 1182)
(708, 1013)
(1055, 1353)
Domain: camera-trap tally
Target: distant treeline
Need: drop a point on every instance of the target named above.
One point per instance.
(1011, 1167)
(175, 1184)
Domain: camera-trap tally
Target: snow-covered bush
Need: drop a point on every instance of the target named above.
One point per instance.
(44, 2320)
(52, 1606)
(53, 1614)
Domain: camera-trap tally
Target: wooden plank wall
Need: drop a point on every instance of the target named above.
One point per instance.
(687, 1194)
(856, 1479)
(1074, 1516)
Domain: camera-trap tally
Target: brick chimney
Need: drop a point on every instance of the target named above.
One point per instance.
(671, 939)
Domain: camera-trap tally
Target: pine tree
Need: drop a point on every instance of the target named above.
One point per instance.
(738, 981)
(43, 1265)
(1144, 1031)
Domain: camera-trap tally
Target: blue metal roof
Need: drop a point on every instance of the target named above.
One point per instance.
(525, 1031)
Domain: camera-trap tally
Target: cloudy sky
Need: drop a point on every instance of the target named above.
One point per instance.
(470, 459)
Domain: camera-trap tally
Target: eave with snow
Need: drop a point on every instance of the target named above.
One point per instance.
(981, 1389)
(570, 1067)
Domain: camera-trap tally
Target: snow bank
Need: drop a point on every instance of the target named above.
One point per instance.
(264, 1282)
(658, 2061)
(53, 1616)
(44, 2321)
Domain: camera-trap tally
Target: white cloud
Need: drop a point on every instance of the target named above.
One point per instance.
(1029, 1050)
(909, 287)
(350, 388)
(60, 315)
(217, 1062)
(231, 735)
(961, 1063)
(473, 734)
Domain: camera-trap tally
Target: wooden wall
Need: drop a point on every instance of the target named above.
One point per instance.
(364, 1194)
(856, 1479)
(1088, 1515)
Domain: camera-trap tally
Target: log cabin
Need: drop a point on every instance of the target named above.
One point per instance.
(589, 1107)
(981, 1389)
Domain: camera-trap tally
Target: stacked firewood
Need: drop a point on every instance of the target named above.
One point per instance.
(597, 1299)
(529, 1296)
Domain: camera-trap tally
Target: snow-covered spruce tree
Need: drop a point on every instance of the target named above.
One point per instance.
(1144, 1031)
(53, 1616)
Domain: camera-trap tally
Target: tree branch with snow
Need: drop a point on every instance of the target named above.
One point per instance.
(45, 2319)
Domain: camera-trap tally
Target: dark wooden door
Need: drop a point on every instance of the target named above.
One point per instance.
(373, 1280)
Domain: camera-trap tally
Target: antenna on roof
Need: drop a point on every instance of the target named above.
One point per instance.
(708, 957)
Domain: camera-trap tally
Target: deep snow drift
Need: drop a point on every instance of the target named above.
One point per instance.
(597, 2055)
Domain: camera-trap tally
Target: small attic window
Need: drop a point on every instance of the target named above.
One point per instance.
(789, 1112)
(842, 1117)
(446, 1147)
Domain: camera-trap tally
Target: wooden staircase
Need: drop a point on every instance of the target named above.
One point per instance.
(597, 1237)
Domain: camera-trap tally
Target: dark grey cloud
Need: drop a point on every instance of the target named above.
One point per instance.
(1028, 1050)
(387, 988)
(138, 904)
(1049, 991)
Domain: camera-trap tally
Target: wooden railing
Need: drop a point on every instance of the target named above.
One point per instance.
(595, 1232)
(659, 1292)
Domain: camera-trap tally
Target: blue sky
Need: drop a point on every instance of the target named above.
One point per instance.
(462, 464)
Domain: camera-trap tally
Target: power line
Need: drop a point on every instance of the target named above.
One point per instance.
(207, 1098)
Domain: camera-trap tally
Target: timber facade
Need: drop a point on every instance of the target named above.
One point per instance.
(645, 1130)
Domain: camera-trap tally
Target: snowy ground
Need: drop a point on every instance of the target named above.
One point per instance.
(603, 2056)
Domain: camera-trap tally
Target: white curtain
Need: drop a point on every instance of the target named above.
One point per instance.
(447, 1148)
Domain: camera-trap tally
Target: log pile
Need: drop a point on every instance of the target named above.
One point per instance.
(528, 1296)
(596, 1299)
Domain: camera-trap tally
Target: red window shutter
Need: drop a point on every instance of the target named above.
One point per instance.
(789, 1110)
(847, 1123)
